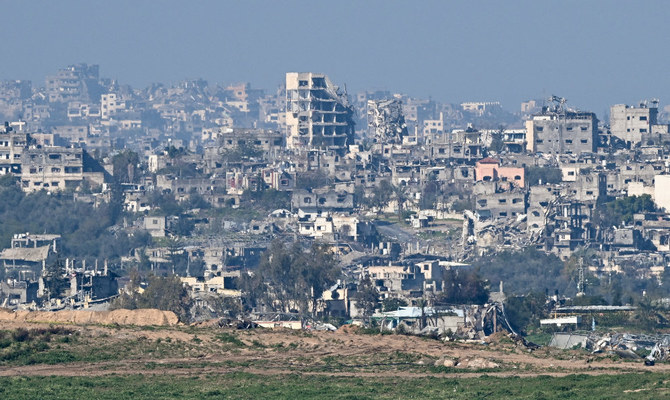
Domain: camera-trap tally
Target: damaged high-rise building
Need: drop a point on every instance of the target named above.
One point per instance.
(318, 114)
(386, 123)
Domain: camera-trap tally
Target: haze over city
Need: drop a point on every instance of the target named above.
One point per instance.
(594, 53)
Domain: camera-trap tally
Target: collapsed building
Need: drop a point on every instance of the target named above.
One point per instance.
(386, 124)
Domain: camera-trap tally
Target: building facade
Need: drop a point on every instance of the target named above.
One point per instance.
(318, 114)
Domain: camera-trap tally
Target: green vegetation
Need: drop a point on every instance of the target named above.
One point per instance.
(525, 312)
(462, 287)
(526, 271)
(545, 174)
(620, 211)
(84, 228)
(124, 166)
(164, 293)
(245, 386)
(367, 297)
(51, 345)
(295, 276)
(244, 151)
(229, 338)
(391, 304)
(266, 200)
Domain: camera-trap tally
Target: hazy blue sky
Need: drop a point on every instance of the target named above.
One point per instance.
(594, 53)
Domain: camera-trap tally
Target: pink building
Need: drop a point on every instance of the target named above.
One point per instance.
(489, 169)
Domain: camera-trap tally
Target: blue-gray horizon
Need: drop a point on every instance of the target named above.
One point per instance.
(593, 53)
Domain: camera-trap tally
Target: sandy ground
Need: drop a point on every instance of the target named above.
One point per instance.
(276, 352)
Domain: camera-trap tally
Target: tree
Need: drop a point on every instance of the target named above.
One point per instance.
(381, 194)
(400, 193)
(55, 283)
(392, 304)
(295, 277)
(124, 165)
(462, 287)
(525, 311)
(525, 271)
(164, 293)
(535, 175)
(620, 211)
(243, 151)
(367, 298)
(497, 143)
(254, 291)
(429, 193)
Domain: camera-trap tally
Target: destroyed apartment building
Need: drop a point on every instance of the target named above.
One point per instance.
(318, 114)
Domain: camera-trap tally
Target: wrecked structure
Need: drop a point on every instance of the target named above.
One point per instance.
(318, 114)
(560, 130)
(386, 123)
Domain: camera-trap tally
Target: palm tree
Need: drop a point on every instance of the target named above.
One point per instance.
(400, 193)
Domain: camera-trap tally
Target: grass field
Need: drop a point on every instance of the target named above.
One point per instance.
(253, 386)
(44, 361)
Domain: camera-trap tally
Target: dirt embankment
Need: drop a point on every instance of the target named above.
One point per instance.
(141, 317)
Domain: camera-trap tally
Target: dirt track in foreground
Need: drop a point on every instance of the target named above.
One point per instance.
(339, 353)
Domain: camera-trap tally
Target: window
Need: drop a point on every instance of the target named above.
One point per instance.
(643, 118)
(539, 141)
(568, 141)
(643, 130)
(584, 140)
(502, 201)
(307, 200)
(539, 128)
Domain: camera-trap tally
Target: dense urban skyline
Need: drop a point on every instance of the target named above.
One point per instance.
(595, 54)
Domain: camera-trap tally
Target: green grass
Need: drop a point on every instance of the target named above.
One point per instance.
(541, 338)
(229, 338)
(250, 386)
(57, 345)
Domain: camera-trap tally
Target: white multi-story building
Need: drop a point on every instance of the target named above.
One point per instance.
(318, 114)
(631, 124)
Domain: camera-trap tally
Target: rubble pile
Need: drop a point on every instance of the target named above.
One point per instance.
(624, 345)
(481, 321)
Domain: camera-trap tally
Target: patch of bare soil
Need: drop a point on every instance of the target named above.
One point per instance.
(141, 317)
(212, 350)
